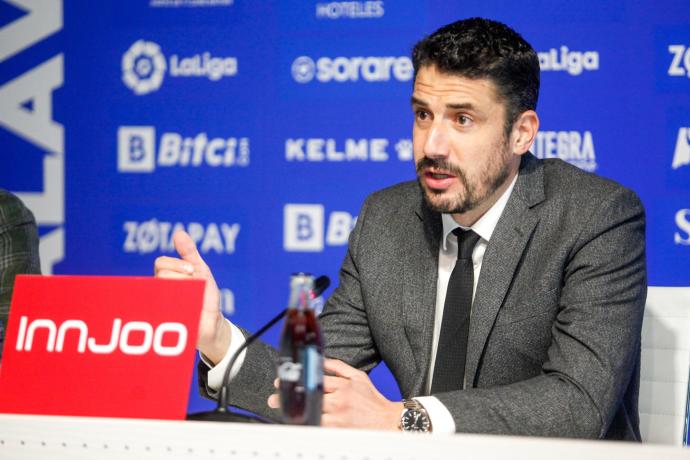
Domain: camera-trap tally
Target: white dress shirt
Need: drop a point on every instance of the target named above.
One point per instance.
(441, 419)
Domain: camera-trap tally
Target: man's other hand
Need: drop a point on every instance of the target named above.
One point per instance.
(350, 400)
(214, 331)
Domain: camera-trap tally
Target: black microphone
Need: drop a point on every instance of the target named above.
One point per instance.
(222, 413)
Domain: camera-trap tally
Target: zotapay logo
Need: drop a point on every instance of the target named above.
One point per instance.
(304, 228)
(136, 150)
(681, 154)
(156, 236)
(144, 66)
(317, 149)
(565, 60)
(680, 62)
(575, 147)
(352, 69)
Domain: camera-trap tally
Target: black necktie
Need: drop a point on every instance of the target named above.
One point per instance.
(449, 370)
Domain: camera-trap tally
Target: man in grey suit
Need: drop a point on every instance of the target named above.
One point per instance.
(505, 293)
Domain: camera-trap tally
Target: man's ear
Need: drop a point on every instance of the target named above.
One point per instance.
(524, 132)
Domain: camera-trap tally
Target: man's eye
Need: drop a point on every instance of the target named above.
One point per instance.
(422, 114)
(464, 120)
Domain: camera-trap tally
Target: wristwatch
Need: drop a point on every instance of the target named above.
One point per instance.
(414, 417)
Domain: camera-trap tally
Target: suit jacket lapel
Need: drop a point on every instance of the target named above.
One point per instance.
(419, 288)
(508, 241)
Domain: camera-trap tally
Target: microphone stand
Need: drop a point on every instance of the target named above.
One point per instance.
(221, 412)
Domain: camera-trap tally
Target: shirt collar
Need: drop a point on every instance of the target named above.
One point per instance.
(486, 224)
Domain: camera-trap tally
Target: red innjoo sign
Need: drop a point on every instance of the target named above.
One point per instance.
(100, 346)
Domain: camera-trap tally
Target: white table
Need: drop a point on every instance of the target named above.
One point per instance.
(40, 437)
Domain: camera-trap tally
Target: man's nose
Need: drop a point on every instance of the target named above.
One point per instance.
(436, 144)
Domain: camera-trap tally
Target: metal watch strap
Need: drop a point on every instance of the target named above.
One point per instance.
(413, 404)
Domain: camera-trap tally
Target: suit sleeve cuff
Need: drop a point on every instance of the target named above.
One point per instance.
(441, 419)
(215, 373)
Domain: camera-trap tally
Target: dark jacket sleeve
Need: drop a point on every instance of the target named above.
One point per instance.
(18, 247)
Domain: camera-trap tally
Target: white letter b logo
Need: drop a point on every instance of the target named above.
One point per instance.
(135, 148)
(303, 227)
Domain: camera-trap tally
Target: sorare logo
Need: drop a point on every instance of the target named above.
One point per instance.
(341, 69)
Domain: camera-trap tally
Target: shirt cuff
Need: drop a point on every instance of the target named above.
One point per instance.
(216, 373)
(441, 420)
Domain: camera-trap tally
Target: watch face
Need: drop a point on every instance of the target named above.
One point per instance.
(414, 420)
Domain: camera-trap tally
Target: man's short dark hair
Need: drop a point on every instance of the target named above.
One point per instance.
(481, 48)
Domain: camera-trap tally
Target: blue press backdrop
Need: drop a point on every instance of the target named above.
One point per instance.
(225, 117)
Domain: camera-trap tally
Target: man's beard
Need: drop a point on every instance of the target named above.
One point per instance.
(472, 197)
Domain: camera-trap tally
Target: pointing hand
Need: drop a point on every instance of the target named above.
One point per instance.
(214, 331)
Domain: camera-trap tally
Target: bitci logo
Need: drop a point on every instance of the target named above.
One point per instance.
(136, 150)
(143, 67)
(303, 228)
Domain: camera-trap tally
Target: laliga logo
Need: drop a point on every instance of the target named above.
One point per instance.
(143, 67)
(573, 62)
(681, 155)
(119, 337)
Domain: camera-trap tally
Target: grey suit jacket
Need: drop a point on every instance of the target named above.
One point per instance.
(554, 344)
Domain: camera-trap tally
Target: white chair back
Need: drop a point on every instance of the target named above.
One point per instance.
(665, 366)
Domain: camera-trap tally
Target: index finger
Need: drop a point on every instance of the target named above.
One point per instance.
(172, 263)
(187, 249)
